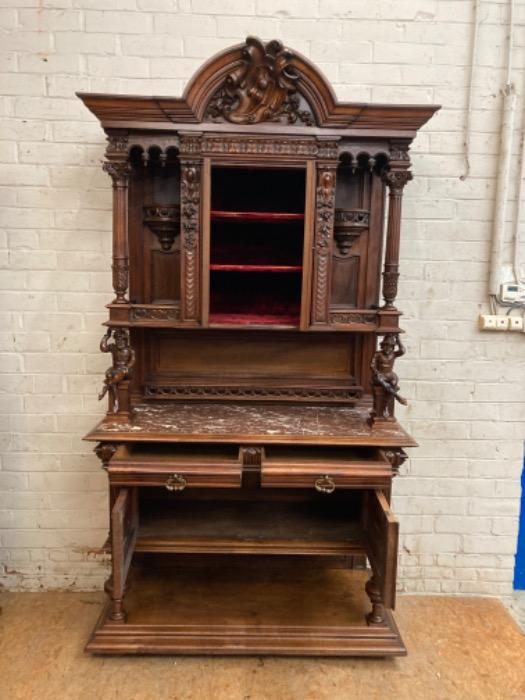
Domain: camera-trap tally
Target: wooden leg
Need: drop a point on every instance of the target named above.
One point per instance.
(377, 615)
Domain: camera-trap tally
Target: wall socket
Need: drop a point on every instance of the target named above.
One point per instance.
(496, 322)
(515, 323)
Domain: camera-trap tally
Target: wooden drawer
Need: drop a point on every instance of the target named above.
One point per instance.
(176, 467)
(325, 469)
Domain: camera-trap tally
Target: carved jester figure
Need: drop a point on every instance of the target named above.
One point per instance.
(123, 360)
(384, 380)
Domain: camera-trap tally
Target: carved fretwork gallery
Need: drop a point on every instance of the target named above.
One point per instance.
(250, 439)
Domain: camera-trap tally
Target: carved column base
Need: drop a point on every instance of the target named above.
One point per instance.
(117, 612)
(124, 410)
(377, 615)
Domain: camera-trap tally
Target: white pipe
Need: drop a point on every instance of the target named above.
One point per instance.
(517, 223)
(502, 186)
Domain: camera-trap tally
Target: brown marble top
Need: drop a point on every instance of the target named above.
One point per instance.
(252, 424)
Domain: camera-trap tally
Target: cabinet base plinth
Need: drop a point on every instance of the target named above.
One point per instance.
(111, 638)
(244, 609)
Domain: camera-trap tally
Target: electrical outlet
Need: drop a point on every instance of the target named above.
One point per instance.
(512, 293)
(492, 322)
(516, 323)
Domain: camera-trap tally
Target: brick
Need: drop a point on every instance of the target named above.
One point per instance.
(128, 66)
(158, 45)
(83, 42)
(126, 22)
(22, 84)
(40, 42)
(50, 20)
(285, 8)
(357, 51)
(48, 108)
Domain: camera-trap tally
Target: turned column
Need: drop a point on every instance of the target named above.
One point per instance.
(395, 178)
(377, 614)
(118, 167)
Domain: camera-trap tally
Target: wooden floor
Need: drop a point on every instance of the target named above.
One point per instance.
(458, 649)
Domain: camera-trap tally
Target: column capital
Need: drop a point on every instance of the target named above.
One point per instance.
(118, 170)
(396, 180)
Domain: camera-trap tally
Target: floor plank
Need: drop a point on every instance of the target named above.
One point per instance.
(459, 649)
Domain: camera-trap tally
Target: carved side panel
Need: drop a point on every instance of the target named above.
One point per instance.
(345, 275)
(165, 275)
(323, 241)
(190, 237)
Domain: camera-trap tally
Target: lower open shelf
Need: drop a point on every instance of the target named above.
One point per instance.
(240, 606)
(246, 527)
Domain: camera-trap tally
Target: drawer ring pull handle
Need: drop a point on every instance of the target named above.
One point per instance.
(325, 484)
(176, 482)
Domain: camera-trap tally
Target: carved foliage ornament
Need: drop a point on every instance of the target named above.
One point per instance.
(396, 180)
(250, 393)
(118, 170)
(269, 146)
(324, 226)
(120, 270)
(190, 203)
(262, 88)
(118, 142)
(354, 317)
(155, 313)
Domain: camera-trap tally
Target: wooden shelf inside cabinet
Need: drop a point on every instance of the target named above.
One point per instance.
(261, 217)
(249, 527)
(250, 440)
(221, 267)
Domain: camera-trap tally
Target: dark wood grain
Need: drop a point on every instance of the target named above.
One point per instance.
(251, 437)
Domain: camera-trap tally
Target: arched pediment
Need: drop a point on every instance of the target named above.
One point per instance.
(255, 83)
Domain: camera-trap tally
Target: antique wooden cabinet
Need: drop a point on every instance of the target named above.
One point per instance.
(250, 440)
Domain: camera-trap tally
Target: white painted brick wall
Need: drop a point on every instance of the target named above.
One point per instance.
(458, 497)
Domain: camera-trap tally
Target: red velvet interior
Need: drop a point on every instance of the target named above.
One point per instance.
(256, 252)
(246, 297)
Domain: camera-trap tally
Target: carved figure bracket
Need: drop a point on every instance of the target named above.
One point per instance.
(348, 226)
(105, 451)
(397, 457)
(123, 360)
(262, 88)
(164, 221)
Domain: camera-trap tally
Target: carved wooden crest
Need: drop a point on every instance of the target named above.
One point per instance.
(262, 88)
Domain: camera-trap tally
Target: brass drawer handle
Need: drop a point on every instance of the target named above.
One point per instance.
(176, 482)
(325, 484)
